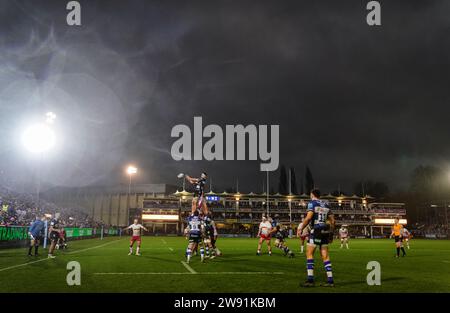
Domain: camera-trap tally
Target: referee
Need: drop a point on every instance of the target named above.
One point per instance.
(35, 232)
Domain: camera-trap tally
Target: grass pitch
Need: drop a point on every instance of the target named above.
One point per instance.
(106, 267)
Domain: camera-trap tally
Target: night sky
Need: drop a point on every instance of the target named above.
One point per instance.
(353, 102)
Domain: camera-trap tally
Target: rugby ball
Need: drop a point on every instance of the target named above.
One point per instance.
(181, 175)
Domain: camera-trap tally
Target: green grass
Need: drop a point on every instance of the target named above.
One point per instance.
(425, 269)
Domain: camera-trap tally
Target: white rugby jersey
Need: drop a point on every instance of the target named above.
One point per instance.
(136, 229)
(265, 227)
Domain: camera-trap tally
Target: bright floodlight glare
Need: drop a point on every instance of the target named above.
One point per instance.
(38, 138)
(131, 170)
(50, 117)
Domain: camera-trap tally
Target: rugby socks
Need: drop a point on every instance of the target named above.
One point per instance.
(403, 250)
(202, 253)
(137, 249)
(310, 269)
(188, 254)
(29, 250)
(36, 250)
(131, 249)
(301, 249)
(398, 251)
(327, 265)
(207, 252)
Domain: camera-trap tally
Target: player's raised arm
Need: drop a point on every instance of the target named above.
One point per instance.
(142, 227)
(127, 228)
(191, 179)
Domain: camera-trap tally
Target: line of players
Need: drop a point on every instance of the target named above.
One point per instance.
(201, 231)
(268, 227)
(317, 229)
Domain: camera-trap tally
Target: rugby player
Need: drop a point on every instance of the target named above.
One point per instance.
(198, 200)
(214, 239)
(397, 230)
(53, 235)
(264, 234)
(280, 235)
(195, 231)
(61, 244)
(322, 222)
(303, 235)
(406, 235)
(208, 236)
(35, 232)
(343, 235)
(136, 228)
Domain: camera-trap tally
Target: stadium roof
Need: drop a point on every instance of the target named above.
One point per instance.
(276, 195)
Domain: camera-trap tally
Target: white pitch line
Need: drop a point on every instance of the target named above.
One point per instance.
(164, 242)
(170, 249)
(445, 261)
(190, 273)
(19, 265)
(190, 269)
(28, 263)
(95, 247)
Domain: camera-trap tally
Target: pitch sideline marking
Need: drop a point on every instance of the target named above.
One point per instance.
(20, 265)
(165, 242)
(190, 273)
(190, 269)
(24, 264)
(95, 247)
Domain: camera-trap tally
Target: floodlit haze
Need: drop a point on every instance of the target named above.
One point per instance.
(353, 102)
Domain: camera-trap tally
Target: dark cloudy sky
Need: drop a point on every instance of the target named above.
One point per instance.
(353, 102)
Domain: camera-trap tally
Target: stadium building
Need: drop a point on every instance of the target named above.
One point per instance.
(163, 209)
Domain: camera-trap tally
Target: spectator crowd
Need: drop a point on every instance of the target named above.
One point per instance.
(21, 209)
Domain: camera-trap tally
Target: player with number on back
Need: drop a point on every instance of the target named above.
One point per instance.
(321, 219)
(136, 228)
(195, 231)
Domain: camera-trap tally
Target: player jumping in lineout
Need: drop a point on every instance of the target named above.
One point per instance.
(198, 201)
(343, 235)
(322, 223)
(136, 228)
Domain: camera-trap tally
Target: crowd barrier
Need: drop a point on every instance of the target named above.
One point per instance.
(17, 236)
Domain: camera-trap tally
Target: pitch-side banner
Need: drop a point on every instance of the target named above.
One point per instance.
(9, 233)
(13, 233)
(78, 232)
